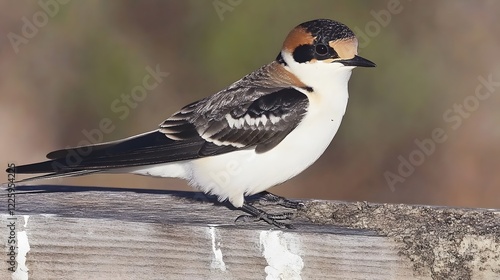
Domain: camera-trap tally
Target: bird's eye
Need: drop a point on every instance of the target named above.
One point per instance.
(321, 49)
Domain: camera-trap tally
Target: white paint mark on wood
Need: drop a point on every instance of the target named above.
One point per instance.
(26, 217)
(23, 247)
(217, 260)
(281, 251)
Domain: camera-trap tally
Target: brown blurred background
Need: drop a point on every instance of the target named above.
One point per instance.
(64, 64)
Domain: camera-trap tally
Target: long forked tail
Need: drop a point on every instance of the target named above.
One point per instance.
(54, 168)
(57, 175)
(144, 149)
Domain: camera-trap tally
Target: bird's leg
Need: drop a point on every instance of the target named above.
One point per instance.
(257, 214)
(269, 198)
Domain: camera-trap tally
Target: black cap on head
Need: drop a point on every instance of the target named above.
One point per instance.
(326, 30)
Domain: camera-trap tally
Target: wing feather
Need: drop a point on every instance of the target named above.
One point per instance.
(243, 125)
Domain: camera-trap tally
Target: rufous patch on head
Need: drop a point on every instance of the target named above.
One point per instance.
(345, 48)
(298, 36)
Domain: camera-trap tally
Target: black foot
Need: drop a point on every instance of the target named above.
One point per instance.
(272, 219)
(268, 198)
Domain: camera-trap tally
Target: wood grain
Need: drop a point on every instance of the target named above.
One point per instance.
(93, 233)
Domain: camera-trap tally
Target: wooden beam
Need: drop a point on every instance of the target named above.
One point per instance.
(96, 233)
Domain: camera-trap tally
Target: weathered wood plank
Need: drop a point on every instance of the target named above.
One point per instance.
(83, 233)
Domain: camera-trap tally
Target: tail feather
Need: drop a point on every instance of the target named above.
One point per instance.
(49, 166)
(58, 175)
(144, 149)
(138, 150)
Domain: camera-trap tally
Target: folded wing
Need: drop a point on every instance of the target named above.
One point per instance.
(258, 124)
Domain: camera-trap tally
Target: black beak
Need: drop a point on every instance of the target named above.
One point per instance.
(358, 61)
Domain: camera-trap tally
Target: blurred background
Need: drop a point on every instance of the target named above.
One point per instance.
(66, 65)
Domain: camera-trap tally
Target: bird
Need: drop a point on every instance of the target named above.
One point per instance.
(260, 131)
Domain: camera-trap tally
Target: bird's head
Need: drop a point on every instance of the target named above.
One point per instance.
(321, 47)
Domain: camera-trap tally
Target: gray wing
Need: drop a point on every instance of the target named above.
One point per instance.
(261, 123)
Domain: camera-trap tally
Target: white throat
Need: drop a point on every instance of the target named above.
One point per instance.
(329, 83)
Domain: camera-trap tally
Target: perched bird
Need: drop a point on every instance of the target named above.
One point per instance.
(260, 131)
